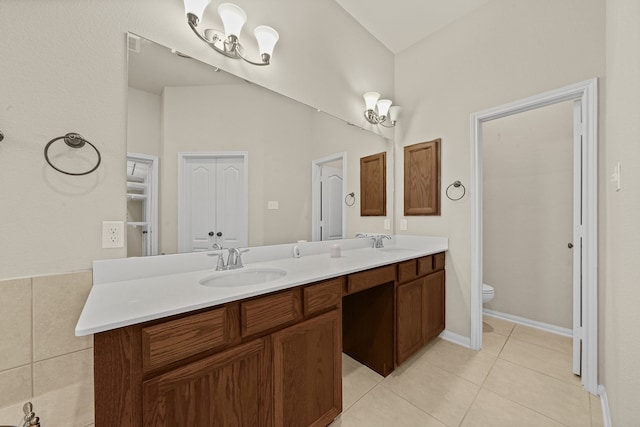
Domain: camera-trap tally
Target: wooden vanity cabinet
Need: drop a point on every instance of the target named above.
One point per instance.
(272, 360)
(420, 304)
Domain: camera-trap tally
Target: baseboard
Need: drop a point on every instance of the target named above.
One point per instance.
(528, 322)
(604, 403)
(456, 338)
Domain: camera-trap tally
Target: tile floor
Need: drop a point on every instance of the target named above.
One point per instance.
(522, 377)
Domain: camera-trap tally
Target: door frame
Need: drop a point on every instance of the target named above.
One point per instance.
(586, 93)
(183, 157)
(152, 198)
(316, 166)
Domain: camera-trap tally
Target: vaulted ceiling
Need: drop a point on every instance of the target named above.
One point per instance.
(399, 24)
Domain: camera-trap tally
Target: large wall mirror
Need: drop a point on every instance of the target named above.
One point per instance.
(216, 160)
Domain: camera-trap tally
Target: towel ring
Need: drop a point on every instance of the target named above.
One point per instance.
(351, 197)
(456, 184)
(73, 140)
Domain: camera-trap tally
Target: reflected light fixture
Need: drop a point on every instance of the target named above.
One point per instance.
(227, 42)
(379, 111)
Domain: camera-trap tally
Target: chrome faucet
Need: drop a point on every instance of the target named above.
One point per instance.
(235, 258)
(216, 246)
(377, 240)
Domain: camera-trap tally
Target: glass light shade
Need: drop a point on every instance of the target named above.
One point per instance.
(370, 99)
(233, 18)
(195, 7)
(267, 38)
(394, 112)
(383, 107)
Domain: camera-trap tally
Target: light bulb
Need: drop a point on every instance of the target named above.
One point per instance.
(233, 18)
(370, 99)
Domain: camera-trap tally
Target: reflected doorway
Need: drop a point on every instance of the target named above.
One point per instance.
(328, 183)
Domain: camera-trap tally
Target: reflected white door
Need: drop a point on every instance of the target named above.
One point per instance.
(214, 202)
(331, 211)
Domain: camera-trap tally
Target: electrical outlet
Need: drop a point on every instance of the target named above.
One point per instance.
(387, 224)
(112, 234)
(403, 224)
(272, 204)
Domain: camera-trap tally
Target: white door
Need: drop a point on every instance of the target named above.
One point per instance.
(213, 202)
(578, 229)
(331, 203)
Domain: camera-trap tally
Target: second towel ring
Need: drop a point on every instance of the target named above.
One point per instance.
(351, 197)
(73, 140)
(456, 184)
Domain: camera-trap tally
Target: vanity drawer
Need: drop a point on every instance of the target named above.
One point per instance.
(323, 295)
(407, 271)
(431, 263)
(261, 314)
(177, 339)
(370, 278)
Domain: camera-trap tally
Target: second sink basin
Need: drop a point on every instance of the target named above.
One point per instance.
(243, 277)
(398, 250)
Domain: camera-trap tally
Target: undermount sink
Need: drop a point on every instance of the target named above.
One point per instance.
(243, 277)
(398, 250)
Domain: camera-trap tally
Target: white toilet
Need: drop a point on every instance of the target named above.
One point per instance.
(487, 293)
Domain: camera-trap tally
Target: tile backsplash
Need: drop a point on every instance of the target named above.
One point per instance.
(41, 360)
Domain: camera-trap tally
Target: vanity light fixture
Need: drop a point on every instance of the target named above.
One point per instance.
(227, 42)
(379, 111)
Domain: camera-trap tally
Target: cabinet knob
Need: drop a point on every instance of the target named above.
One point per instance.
(219, 234)
(211, 234)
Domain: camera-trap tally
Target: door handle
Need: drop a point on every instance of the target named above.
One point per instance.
(570, 245)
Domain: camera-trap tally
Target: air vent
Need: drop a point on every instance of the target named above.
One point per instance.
(133, 43)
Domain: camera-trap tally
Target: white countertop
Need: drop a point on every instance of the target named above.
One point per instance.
(135, 290)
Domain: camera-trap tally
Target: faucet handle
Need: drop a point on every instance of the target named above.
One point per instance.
(220, 265)
(239, 257)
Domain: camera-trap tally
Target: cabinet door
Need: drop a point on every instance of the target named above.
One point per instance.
(434, 302)
(410, 319)
(231, 388)
(307, 372)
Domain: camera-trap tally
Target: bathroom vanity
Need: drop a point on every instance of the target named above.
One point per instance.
(274, 358)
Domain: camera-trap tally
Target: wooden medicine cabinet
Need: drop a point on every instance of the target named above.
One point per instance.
(422, 178)
(373, 185)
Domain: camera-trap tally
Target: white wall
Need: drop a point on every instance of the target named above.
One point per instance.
(527, 162)
(502, 52)
(69, 74)
(620, 294)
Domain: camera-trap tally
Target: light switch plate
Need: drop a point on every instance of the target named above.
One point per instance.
(272, 204)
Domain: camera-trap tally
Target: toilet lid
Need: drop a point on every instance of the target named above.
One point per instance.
(486, 289)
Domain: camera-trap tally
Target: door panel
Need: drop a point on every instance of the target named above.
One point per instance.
(215, 201)
(331, 203)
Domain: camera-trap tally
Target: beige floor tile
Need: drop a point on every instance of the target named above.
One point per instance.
(468, 364)
(542, 338)
(441, 394)
(489, 409)
(357, 380)
(499, 326)
(383, 408)
(57, 303)
(492, 343)
(15, 323)
(15, 386)
(540, 359)
(551, 397)
(596, 412)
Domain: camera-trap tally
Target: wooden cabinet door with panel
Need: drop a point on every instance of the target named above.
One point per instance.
(422, 178)
(307, 372)
(373, 185)
(230, 388)
(410, 319)
(434, 302)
